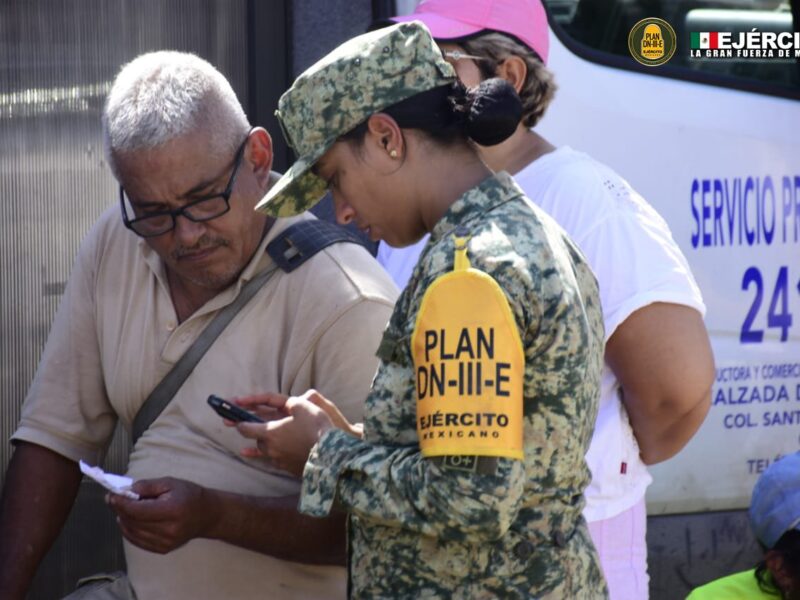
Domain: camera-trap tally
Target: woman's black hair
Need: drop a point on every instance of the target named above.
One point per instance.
(788, 545)
(487, 114)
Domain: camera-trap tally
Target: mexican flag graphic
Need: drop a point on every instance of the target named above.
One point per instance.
(705, 40)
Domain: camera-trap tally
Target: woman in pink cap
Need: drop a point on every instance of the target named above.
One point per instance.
(659, 367)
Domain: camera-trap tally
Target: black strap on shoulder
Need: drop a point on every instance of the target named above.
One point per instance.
(166, 389)
(299, 242)
(290, 249)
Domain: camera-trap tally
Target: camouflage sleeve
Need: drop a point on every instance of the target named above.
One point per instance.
(398, 487)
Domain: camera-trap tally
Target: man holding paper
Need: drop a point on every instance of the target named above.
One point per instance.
(144, 289)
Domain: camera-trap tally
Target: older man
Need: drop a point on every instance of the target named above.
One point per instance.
(210, 522)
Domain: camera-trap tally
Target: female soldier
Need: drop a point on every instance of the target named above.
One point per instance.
(659, 368)
(467, 480)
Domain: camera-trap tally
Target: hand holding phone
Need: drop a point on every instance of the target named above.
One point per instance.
(229, 411)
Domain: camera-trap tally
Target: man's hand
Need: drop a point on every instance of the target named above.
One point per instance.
(170, 513)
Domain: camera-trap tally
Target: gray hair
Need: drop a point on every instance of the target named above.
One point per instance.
(539, 87)
(162, 95)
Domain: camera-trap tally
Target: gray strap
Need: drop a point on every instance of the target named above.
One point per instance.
(168, 387)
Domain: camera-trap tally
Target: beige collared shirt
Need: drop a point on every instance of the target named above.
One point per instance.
(116, 335)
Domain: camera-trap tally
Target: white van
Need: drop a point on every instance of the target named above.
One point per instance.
(713, 145)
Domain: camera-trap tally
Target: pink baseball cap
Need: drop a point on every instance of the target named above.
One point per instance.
(526, 20)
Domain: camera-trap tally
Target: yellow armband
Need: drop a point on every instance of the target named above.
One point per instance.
(469, 366)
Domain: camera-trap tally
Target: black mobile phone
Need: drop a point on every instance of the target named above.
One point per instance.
(232, 412)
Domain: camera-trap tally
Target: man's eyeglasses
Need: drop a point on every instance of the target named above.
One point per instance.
(456, 55)
(202, 209)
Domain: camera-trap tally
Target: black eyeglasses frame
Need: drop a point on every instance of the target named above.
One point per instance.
(182, 211)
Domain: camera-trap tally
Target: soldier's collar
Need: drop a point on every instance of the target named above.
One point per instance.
(487, 195)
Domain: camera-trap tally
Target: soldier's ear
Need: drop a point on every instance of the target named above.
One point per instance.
(384, 131)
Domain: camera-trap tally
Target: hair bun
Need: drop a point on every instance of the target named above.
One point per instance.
(495, 112)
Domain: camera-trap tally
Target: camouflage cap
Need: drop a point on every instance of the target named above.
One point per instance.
(361, 77)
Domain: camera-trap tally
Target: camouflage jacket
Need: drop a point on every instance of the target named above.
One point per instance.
(420, 529)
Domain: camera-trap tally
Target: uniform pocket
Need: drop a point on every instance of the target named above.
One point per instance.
(449, 562)
(520, 564)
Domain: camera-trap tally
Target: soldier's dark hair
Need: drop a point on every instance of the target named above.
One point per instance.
(486, 114)
(788, 545)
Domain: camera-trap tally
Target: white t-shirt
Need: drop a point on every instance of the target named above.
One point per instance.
(636, 261)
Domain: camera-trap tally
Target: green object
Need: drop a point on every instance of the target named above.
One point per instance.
(361, 77)
(740, 586)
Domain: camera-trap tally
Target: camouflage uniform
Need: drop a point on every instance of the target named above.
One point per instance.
(361, 77)
(421, 530)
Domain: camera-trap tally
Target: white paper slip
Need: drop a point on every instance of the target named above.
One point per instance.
(117, 484)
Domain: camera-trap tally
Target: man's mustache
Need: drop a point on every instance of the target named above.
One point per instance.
(204, 243)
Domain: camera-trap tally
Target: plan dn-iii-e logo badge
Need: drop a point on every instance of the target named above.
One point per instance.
(652, 42)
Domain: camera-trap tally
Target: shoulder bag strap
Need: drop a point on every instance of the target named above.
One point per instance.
(167, 387)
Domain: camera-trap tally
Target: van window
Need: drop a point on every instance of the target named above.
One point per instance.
(598, 30)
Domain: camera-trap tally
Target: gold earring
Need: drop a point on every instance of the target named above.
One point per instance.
(393, 153)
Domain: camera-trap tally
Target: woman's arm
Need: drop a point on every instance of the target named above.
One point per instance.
(392, 485)
(398, 487)
(662, 357)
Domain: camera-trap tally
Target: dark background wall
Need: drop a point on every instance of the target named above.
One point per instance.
(57, 60)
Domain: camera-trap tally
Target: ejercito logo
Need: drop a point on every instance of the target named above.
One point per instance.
(652, 41)
(745, 44)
